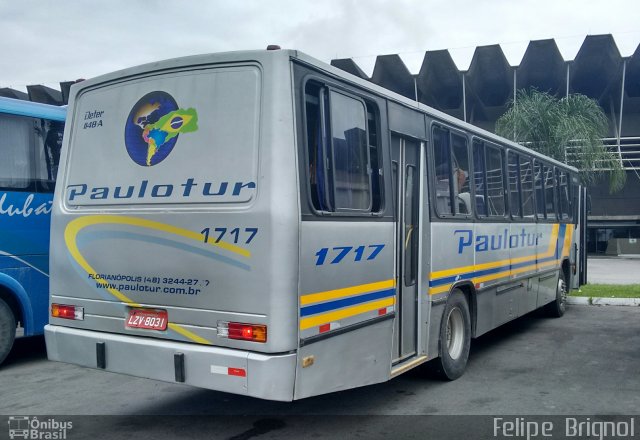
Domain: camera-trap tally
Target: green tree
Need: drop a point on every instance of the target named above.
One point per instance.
(569, 129)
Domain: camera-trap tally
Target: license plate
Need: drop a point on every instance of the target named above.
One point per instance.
(147, 319)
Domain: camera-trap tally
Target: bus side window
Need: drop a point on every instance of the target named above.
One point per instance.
(564, 199)
(443, 181)
(344, 168)
(316, 145)
(462, 196)
(569, 208)
(513, 173)
(375, 163)
(451, 158)
(16, 143)
(352, 184)
(30, 153)
(489, 180)
(47, 154)
(526, 184)
(549, 191)
(538, 182)
(495, 182)
(479, 178)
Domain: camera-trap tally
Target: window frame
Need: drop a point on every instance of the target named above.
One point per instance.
(333, 152)
(547, 167)
(561, 201)
(451, 131)
(410, 273)
(33, 184)
(539, 217)
(324, 114)
(506, 217)
(533, 218)
(516, 154)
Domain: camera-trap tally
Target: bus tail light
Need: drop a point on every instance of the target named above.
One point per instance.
(67, 312)
(242, 331)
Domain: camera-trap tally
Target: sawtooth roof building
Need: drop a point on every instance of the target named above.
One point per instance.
(481, 94)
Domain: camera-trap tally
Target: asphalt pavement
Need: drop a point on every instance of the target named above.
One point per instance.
(587, 362)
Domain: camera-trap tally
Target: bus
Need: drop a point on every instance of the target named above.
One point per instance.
(264, 224)
(30, 142)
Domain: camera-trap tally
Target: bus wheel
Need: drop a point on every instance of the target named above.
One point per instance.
(557, 308)
(455, 337)
(7, 329)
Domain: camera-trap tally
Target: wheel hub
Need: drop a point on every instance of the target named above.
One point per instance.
(455, 333)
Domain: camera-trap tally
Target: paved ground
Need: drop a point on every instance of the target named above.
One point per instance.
(585, 363)
(613, 270)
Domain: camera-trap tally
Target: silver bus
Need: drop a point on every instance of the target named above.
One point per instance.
(264, 224)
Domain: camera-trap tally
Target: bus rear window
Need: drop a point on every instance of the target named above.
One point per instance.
(171, 139)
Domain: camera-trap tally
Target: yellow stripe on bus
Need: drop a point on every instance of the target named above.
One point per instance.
(568, 235)
(70, 238)
(493, 276)
(188, 334)
(553, 242)
(306, 323)
(532, 267)
(346, 291)
(80, 223)
(439, 289)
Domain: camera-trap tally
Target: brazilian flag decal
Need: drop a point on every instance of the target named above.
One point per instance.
(178, 121)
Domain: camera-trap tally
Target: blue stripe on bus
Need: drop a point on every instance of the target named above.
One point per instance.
(560, 242)
(332, 305)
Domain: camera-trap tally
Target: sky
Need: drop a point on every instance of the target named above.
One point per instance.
(46, 41)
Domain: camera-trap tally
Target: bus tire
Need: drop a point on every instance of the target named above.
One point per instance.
(7, 330)
(455, 337)
(557, 308)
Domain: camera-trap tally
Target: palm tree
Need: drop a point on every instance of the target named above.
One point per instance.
(569, 129)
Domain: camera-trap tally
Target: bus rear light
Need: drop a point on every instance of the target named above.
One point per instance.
(240, 372)
(67, 312)
(242, 331)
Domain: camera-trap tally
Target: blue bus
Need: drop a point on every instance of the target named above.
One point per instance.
(30, 142)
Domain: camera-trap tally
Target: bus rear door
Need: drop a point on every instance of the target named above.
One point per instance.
(407, 180)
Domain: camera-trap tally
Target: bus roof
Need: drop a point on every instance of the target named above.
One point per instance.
(423, 108)
(32, 109)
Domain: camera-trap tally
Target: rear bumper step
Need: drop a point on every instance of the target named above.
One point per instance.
(235, 371)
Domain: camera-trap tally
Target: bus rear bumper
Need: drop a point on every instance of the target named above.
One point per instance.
(235, 371)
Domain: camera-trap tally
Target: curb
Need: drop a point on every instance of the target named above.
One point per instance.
(600, 301)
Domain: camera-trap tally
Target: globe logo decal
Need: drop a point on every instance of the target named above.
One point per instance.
(153, 126)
